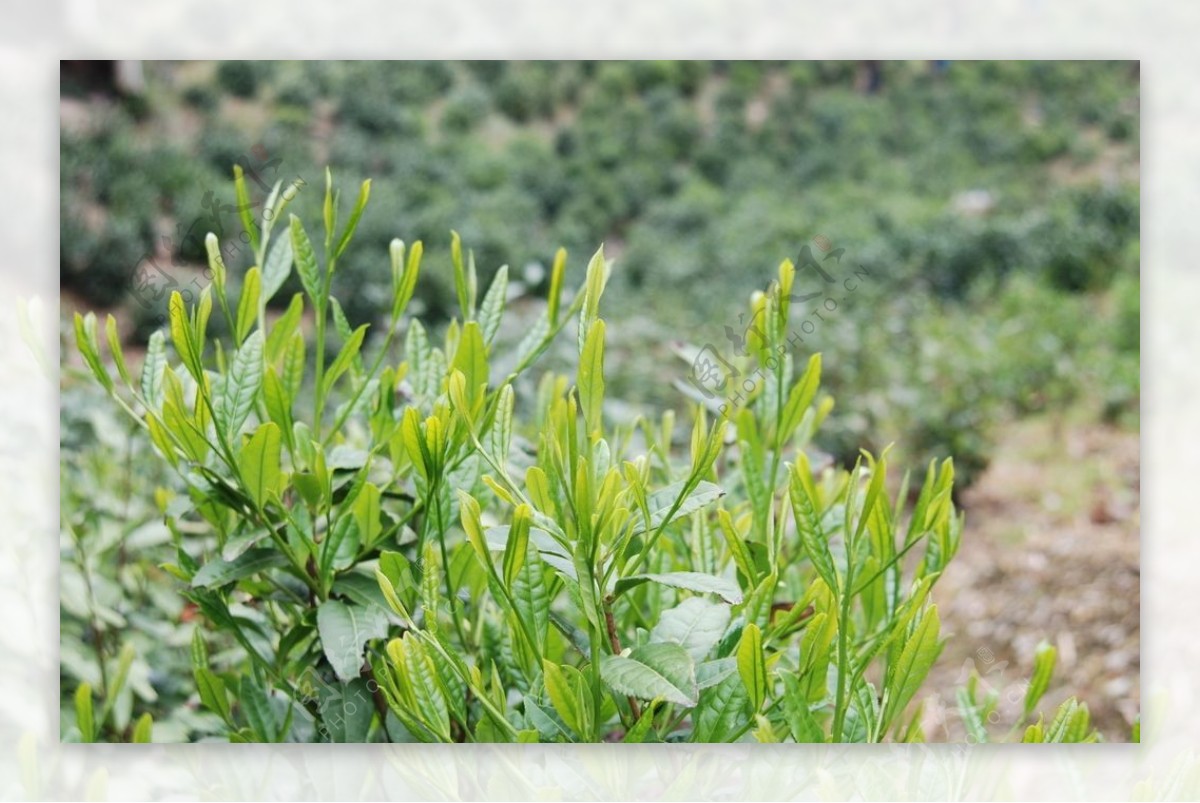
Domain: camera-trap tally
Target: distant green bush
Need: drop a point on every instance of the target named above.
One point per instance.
(242, 78)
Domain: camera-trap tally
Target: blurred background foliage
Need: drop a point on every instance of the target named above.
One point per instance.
(995, 203)
(995, 206)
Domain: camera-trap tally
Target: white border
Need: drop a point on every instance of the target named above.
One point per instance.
(33, 38)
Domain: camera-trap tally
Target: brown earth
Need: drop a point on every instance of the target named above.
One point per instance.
(1051, 550)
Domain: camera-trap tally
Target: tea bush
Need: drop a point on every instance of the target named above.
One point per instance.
(445, 549)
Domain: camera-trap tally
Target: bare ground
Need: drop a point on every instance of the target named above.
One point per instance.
(1051, 550)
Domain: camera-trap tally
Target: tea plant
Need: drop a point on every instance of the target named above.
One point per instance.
(423, 550)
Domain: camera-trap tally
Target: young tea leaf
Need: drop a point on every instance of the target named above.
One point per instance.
(344, 630)
(655, 670)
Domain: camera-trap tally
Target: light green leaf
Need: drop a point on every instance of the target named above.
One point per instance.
(500, 436)
(153, 368)
(256, 705)
(804, 508)
(797, 714)
(570, 696)
(247, 312)
(114, 348)
(492, 308)
(591, 377)
(236, 397)
(89, 348)
(244, 207)
(800, 397)
(284, 327)
(219, 572)
(344, 629)
(597, 278)
(306, 263)
(516, 549)
(752, 665)
(661, 503)
(1043, 669)
(277, 269)
(460, 276)
(655, 670)
(695, 624)
(84, 716)
(143, 729)
(364, 193)
(259, 463)
(913, 664)
(691, 581)
(722, 711)
(710, 673)
(212, 693)
(471, 359)
(366, 513)
(345, 357)
(346, 711)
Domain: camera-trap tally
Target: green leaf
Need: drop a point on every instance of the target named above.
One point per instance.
(800, 397)
(971, 717)
(404, 274)
(84, 716)
(471, 359)
(362, 589)
(500, 436)
(591, 377)
(344, 629)
(518, 544)
(346, 711)
(710, 673)
(236, 397)
(143, 730)
(244, 207)
(655, 670)
(89, 349)
(570, 695)
(277, 269)
(694, 624)
(661, 503)
(364, 193)
(554, 296)
(752, 666)
(284, 327)
(797, 714)
(1043, 669)
(247, 312)
(256, 705)
(306, 263)
(721, 712)
(460, 278)
(597, 278)
(643, 730)
(181, 335)
(114, 348)
(153, 368)
(530, 596)
(259, 463)
(913, 664)
(212, 693)
(808, 522)
(293, 366)
(690, 581)
(492, 309)
(345, 357)
(366, 513)
(219, 572)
